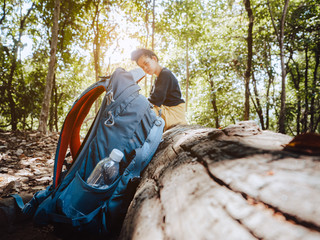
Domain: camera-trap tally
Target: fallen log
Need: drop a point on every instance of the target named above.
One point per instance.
(234, 183)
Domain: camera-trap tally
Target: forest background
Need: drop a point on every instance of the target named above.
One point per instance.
(235, 60)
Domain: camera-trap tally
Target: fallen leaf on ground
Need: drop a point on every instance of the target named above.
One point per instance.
(308, 143)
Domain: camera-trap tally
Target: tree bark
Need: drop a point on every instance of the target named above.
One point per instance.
(258, 104)
(267, 56)
(10, 87)
(96, 46)
(146, 20)
(3, 17)
(312, 126)
(282, 118)
(296, 83)
(188, 74)
(51, 70)
(152, 35)
(249, 60)
(146, 46)
(235, 183)
(214, 102)
(56, 104)
(153, 23)
(280, 37)
(306, 91)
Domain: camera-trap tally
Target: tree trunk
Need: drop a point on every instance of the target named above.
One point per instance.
(268, 104)
(96, 47)
(146, 21)
(296, 82)
(306, 92)
(153, 32)
(270, 81)
(317, 121)
(297, 87)
(282, 118)
(188, 74)
(235, 183)
(10, 88)
(280, 37)
(51, 114)
(56, 104)
(258, 105)
(153, 23)
(146, 46)
(249, 60)
(215, 109)
(214, 103)
(51, 70)
(312, 126)
(53, 106)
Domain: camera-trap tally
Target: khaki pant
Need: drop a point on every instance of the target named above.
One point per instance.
(172, 115)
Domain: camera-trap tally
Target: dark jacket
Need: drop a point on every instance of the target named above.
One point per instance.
(166, 90)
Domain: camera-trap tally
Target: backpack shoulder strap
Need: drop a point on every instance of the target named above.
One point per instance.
(70, 133)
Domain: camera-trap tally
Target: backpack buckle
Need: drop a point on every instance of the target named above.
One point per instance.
(110, 121)
(109, 98)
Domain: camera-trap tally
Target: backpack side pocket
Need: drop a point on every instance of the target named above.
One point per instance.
(79, 198)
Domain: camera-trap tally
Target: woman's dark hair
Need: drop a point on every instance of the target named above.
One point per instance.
(135, 55)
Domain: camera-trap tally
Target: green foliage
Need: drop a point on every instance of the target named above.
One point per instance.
(212, 33)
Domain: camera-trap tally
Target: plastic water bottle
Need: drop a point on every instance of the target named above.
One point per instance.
(106, 171)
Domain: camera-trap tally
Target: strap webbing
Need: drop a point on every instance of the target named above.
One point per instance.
(75, 221)
(19, 200)
(71, 128)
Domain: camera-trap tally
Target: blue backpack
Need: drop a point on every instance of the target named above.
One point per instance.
(125, 121)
